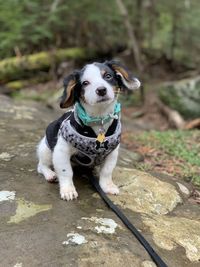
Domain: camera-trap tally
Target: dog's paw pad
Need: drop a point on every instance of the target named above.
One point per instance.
(68, 193)
(110, 188)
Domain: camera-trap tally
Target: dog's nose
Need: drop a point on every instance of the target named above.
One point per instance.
(101, 91)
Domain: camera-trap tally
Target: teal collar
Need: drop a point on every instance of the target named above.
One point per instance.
(87, 120)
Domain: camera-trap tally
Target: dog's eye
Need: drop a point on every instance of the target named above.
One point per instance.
(85, 83)
(108, 76)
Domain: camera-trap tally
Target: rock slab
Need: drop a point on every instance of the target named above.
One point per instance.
(39, 229)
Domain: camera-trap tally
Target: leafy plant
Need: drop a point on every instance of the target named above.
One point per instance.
(168, 28)
(179, 148)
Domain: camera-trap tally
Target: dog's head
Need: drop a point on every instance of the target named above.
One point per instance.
(97, 83)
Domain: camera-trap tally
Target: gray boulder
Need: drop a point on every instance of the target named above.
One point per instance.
(183, 96)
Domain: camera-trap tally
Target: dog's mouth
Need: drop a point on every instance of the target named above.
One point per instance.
(104, 99)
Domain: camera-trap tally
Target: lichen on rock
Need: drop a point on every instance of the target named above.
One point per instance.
(169, 232)
(142, 192)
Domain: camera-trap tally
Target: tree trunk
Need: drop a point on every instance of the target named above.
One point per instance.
(152, 18)
(131, 34)
(17, 68)
(138, 21)
(174, 36)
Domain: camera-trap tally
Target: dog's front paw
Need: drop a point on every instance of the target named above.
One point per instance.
(51, 177)
(109, 188)
(68, 192)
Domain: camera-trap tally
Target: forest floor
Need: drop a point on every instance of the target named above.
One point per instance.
(148, 132)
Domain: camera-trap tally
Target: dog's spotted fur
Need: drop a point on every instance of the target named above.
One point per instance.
(95, 87)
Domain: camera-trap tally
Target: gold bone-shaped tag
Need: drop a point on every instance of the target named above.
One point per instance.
(101, 137)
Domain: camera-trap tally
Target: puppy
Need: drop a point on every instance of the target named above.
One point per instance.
(89, 133)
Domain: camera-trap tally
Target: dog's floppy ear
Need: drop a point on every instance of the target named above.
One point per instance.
(68, 97)
(126, 80)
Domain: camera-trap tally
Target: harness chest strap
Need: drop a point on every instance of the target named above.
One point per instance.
(93, 147)
(88, 144)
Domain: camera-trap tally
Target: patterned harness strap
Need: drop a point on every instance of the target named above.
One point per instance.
(90, 151)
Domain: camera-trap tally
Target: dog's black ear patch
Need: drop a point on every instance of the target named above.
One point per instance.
(68, 97)
(126, 80)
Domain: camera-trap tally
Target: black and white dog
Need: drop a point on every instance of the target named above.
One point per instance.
(89, 133)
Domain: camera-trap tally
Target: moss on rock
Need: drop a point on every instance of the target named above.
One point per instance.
(183, 96)
(26, 66)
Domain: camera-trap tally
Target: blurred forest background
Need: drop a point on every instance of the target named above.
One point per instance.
(163, 30)
(41, 41)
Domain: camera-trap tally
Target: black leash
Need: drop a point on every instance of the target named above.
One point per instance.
(155, 257)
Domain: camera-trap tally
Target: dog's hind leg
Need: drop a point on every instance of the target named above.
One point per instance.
(45, 161)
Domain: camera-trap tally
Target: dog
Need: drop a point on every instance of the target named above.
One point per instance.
(89, 133)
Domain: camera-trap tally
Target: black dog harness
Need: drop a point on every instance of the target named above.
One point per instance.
(90, 152)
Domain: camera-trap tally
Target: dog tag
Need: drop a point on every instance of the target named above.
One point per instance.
(101, 136)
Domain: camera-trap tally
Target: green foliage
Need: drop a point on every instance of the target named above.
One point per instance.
(181, 145)
(169, 28)
(34, 26)
(130, 99)
(176, 143)
(15, 68)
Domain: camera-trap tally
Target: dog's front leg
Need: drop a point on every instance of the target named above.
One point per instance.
(62, 165)
(106, 170)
